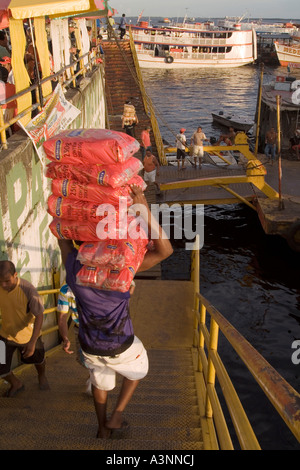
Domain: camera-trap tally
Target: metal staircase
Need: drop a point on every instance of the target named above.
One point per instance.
(121, 85)
(163, 413)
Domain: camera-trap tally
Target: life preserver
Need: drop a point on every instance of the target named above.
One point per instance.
(169, 59)
(293, 237)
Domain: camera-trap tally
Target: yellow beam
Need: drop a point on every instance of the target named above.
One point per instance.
(204, 182)
(241, 198)
(255, 174)
(207, 202)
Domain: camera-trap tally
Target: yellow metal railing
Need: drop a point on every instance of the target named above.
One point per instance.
(255, 174)
(62, 79)
(149, 108)
(209, 366)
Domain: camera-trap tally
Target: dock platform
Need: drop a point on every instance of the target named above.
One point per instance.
(210, 193)
(277, 216)
(282, 217)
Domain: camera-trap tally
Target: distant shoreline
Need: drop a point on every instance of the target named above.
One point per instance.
(205, 18)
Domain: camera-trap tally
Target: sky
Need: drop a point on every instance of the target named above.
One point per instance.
(286, 9)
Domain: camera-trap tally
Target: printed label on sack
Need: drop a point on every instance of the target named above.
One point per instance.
(58, 227)
(111, 247)
(64, 187)
(75, 133)
(58, 150)
(130, 246)
(101, 177)
(131, 269)
(58, 207)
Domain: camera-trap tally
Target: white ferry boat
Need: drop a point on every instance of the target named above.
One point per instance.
(259, 25)
(192, 46)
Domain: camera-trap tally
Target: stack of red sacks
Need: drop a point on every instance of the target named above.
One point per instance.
(92, 171)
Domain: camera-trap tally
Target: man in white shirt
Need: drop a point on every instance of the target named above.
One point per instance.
(180, 145)
(197, 142)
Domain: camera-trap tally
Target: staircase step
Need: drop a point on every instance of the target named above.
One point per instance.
(22, 442)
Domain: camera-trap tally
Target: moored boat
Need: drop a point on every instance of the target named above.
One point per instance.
(288, 54)
(259, 25)
(239, 123)
(192, 46)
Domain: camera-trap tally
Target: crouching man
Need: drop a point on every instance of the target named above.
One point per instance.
(22, 318)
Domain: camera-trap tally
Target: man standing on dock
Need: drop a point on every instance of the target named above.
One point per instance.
(181, 144)
(197, 142)
(146, 141)
(151, 168)
(270, 148)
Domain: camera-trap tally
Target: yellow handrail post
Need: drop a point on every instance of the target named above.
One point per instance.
(259, 109)
(202, 320)
(281, 203)
(2, 133)
(211, 371)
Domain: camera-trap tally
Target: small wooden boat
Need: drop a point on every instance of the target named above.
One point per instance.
(239, 123)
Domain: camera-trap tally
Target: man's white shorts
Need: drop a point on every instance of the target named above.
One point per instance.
(198, 151)
(132, 364)
(149, 176)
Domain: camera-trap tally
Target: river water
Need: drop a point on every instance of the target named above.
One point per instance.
(251, 278)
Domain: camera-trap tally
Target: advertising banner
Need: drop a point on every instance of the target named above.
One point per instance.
(56, 115)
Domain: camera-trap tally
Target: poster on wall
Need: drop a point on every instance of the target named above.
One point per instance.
(56, 115)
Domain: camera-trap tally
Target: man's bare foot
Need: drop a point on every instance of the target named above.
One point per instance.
(103, 433)
(13, 390)
(117, 422)
(43, 383)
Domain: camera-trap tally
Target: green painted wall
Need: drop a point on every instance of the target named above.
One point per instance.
(25, 237)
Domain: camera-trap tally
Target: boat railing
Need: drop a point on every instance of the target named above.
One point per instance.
(179, 39)
(66, 76)
(185, 55)
(209, 368)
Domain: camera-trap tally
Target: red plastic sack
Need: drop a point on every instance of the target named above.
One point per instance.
(72, 209)
(105, 175)
(110, 227)
(91, 276)
(94, 193)
(119, 280)
(71, 230)
(113, 253)
(107, 279)
(90, 146)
